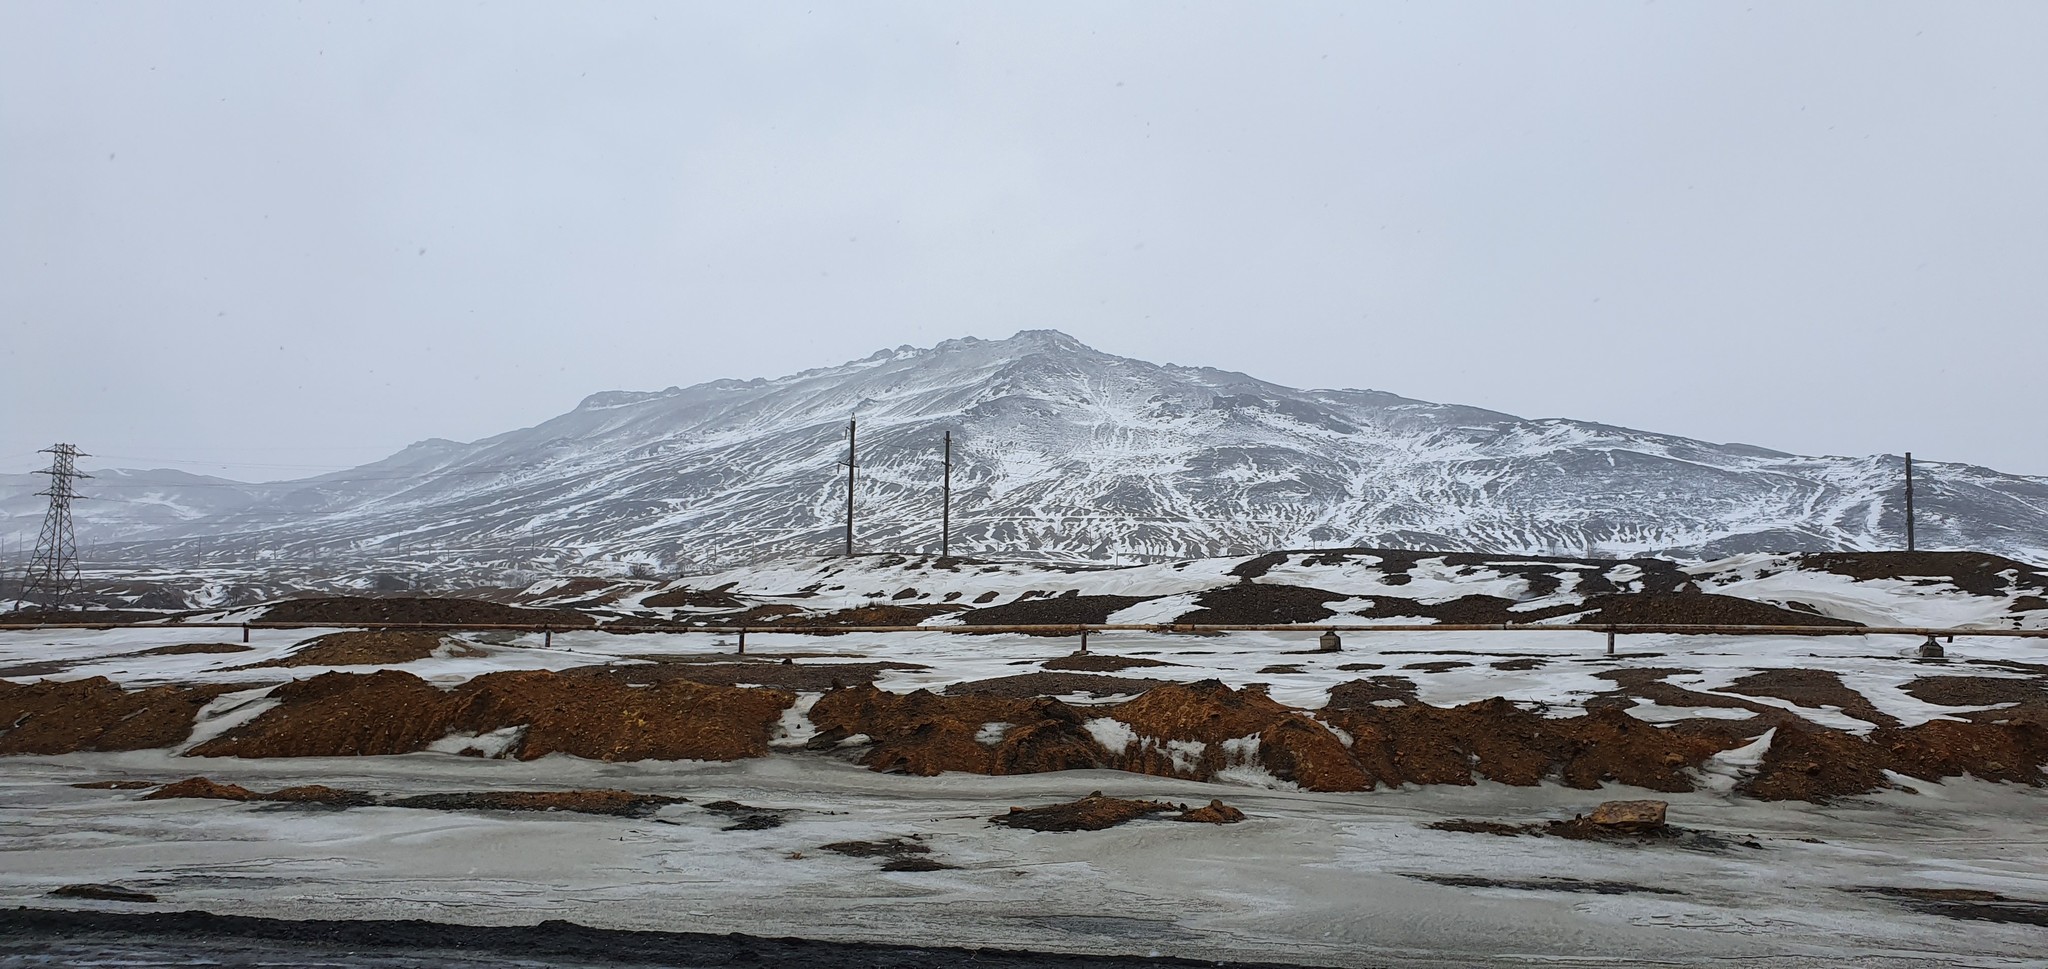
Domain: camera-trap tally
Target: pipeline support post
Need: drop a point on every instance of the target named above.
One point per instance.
(1084, 639)
(743, 640)
(1610, 642)
(245, 632)
(547, 636)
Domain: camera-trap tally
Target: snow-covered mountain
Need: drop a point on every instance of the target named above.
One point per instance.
(1060, 452)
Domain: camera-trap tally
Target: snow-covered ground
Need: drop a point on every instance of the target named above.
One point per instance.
(1310, 878)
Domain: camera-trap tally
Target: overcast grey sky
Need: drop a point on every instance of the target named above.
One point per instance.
(268, 239)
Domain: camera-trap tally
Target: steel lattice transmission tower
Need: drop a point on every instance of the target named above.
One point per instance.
(53, 571)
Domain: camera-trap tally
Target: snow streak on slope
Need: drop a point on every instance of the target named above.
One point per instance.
(1066, 453)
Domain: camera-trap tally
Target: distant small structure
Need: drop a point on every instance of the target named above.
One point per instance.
(1932, 650)
(1330, 642)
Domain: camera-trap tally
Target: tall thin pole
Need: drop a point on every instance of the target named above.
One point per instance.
(946, 504)
(1909, 501)
(849, 487)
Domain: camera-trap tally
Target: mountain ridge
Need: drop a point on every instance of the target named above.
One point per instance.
(1062, 452)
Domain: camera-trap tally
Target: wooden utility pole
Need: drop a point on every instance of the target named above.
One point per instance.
(1909, 501)
(946, 504)
(850, 425)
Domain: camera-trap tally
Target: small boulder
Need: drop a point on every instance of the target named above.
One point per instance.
(1628, 815)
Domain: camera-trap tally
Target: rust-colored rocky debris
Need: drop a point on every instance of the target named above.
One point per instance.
(373, 647)
(59, 717)
(394, 712)
(368, 611)
(611, 802)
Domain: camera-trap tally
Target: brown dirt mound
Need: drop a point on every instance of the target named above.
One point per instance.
(1972, 572)
(623, 804)
(1972, 691)
(1095, 812)
(394, 712)
(202, 788)
(689, 598)
(1100, 663)
(875, 615)
(373, 647)
(1814, 689)
(1054, 610)
(1370, 691)
(186, 649)
(53, 717)
(1258, 603)
(924, 733)
(102, 893)
(616, 803)
(1026, 685)
(1422, 744)
(1091, 813)
(362, 611)
(1937, 749)
(115, 785)
(1695, 608)
(94, 617)
(1215, 812)
(785, 675)
(1291, 745)
(1810, 764)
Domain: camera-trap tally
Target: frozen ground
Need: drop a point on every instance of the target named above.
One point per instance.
(1310, 878)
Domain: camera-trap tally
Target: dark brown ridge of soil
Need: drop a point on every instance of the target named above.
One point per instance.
(1544, 884)
(870, 615)
(1814, 689)
(115, 785)
(102, 893)
(800, 677)
(1472, 610)
(621, 804)
(394, 712)
(1969, 904)
(923, 733)
(1095, 812)
(1971, 691)
(371, 647)
(1024, 686)
(199, 937)
(201, 787)
(1050, 611)
(1498, 741)
(1974, 572)
(1695, 608)
(1648, 683)
(687, 597)
(59, 717)
(186, 649)
(1100, 663)
(94, 617)
(364, 611)
(1812, 764)
(1293, 746)
(1518, 665)
(1369, 691)
(892, 848)
(1258, 603)
(611, 802)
